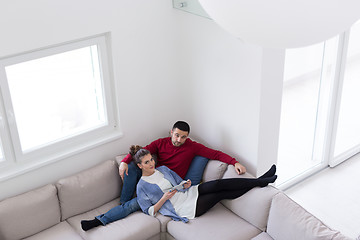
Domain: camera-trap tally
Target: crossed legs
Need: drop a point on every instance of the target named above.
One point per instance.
(210, 193)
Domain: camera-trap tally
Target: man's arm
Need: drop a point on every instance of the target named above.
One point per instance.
(123, 169)
(209, 153)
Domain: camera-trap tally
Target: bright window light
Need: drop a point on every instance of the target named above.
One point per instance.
(57, 96)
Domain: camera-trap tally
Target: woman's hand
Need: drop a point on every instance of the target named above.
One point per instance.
(163, 199)
(187, 184)
(169, 194)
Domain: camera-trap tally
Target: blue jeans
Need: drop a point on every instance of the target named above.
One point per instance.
(130, 182)
(129, 204)
(196, 170)
(119, 212)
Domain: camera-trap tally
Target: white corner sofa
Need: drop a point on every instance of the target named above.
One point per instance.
(54, 212)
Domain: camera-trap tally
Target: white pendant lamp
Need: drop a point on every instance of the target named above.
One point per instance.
(283, 23)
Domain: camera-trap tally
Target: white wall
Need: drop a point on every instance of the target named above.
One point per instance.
(168, 65)
(236, 89)
(270, 108)
(224, 77)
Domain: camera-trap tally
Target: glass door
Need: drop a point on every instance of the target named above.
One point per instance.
(320, 117)
(347, 141)
(300, 105)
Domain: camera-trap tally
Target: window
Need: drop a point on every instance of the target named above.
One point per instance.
(56, 99)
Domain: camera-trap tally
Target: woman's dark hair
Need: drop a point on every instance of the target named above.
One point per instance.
(181, 125)
(137, 152)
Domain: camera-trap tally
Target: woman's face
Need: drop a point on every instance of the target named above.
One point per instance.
(147, 165)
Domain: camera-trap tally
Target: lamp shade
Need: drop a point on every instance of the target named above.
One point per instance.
(283, 23)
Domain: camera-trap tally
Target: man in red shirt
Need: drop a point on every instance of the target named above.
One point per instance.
(179, 153)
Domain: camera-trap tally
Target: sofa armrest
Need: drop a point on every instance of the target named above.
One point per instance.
(288, 220)
(253, 206)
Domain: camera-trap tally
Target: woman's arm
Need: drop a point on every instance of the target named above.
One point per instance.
(143, 199)
(163, 199)
(146, 202)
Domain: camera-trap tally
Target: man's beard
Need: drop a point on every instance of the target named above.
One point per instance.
(176, 144)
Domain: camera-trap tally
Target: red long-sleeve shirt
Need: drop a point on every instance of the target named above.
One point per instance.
(179, 158)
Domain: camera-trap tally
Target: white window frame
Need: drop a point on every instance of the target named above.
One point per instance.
(17, 161)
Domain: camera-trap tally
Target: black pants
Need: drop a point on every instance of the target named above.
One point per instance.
(210, 193)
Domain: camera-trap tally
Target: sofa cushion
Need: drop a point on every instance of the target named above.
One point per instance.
(29, 213)
(214, 170)
(253, 206)
(263, 236)
(163, 221)
(61, 231)
(217, 223)
(135, 226)
(288, 220)
(89, 189)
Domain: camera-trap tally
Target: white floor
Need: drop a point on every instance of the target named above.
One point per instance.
(333, 196)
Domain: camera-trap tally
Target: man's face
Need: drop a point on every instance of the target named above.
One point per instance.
(178, 137)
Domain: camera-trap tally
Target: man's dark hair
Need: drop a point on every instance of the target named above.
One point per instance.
(181, 125)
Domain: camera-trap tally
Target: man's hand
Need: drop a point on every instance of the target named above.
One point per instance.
(240, 169)
(123, 168)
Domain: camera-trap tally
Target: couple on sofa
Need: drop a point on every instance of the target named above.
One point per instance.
(178, 158)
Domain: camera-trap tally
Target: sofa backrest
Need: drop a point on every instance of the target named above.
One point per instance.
(29, 213)
(89, 189)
